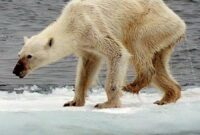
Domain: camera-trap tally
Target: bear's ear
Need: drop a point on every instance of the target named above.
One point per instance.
(50, 43)
(25, 39)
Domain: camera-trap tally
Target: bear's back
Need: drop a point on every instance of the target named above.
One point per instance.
(125, 19)
(118, 14)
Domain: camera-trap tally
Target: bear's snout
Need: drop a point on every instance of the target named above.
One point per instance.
(20, 69)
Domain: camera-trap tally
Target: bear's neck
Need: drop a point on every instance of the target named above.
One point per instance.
(65, 44)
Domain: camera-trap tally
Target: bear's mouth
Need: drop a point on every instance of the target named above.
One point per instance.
(21, 74)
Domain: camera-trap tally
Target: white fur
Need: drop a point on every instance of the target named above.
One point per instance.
(96, 29)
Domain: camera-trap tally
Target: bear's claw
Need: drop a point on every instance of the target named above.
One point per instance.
(96, 106)
(66, 104)
(73, 103)
(159, 102)
(131, 89)
(108, 105)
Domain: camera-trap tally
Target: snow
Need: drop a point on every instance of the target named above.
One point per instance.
(43, 114)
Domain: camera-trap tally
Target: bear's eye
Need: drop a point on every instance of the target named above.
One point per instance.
(50, 43)
(29, 56)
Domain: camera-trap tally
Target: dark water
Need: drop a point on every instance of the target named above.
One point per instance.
(28, 17)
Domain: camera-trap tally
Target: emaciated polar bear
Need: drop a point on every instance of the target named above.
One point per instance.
(144, 32)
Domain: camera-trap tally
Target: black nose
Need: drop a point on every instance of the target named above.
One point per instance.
(18, 68)
(14, 72)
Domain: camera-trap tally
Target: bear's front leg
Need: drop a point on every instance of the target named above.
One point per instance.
(87, 68)
(117, 67)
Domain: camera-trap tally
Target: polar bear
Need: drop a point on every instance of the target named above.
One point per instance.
(142, 32)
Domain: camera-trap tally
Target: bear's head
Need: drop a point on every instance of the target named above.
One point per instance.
(35, 53)
(39, 51)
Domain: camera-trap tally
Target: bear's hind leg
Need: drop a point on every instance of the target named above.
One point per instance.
(144, 70)
(163, 79)
(88, 66)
